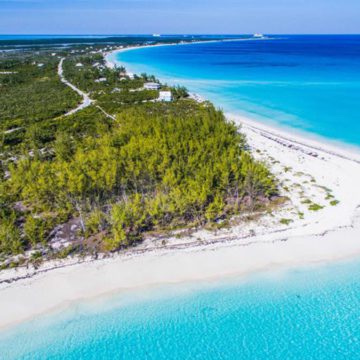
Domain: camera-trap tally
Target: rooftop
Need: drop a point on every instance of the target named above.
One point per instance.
(152, 85)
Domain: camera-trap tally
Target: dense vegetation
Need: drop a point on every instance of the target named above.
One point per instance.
(31, 93)
(156, 166)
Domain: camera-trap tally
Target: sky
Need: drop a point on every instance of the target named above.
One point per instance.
(179, 16)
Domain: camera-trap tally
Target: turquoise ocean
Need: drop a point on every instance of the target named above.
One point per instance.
(309, 84)
(311, 313)
(304, 83)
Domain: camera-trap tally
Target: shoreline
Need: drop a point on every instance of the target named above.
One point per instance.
(316, 142)
(338, 146)
(308, 168)
(111, 63)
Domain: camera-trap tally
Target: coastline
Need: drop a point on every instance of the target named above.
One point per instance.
(313, 139)
(111, 63)
(321, 236)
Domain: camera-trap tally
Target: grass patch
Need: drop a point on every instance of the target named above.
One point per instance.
(284, 221)
(315, 207)
(306, 201)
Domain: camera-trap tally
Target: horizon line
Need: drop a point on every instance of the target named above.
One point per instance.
(169, 34)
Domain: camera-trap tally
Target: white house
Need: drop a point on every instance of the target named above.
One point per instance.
(100, 80)
(131, 76)
(152, 86)
(165, 96)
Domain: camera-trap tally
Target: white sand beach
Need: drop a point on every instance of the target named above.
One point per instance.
(309, 171)
(110, 63)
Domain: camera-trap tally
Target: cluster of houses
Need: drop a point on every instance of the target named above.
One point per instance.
(163, 95)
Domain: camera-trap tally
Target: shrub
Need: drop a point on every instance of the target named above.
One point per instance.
(315, 207)
(284, 221)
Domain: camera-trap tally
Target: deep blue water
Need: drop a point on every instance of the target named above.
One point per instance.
(294, 314)
(307, 83)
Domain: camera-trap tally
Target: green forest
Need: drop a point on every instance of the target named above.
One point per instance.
(156, 167)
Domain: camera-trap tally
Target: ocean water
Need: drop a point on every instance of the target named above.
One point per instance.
(305, 83)
(311, 313)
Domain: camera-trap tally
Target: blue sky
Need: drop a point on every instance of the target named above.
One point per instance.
(178, 16)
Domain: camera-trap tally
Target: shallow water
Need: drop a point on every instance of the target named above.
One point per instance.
(311, 313)
(307, 83)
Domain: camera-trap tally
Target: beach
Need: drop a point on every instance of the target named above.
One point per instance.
(292, 236)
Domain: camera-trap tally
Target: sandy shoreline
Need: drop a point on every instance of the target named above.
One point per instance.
(111, 63)
(308, 171)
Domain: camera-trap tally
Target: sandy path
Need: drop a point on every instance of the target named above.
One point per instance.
(86, 99)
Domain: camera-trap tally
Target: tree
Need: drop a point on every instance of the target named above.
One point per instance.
(10, 237)
(64, 146)
(128, 219)
(179, 92)
(215, 208)
(34, 230)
